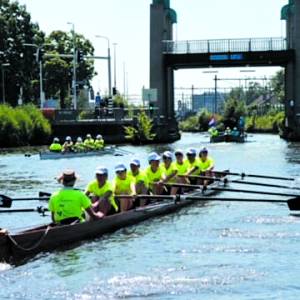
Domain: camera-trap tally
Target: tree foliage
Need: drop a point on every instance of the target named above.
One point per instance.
(16, 29)
(142, 131)
(277, 85)
(234, 109)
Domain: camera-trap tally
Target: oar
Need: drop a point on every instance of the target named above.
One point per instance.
(293, 203)
(254, 175)
(6, 201)
(226, 180)
(39, 209)
(230, 190)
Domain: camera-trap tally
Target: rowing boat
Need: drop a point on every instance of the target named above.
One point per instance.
(16, 247)
(59, 155)
(228, 138)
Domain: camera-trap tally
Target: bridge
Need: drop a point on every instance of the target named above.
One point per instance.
(167, 55)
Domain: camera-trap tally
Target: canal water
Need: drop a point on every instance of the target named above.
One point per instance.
(217, 251)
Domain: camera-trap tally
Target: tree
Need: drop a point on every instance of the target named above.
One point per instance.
(59, 42)
(16, 29)
(277, 85)
(233, 110)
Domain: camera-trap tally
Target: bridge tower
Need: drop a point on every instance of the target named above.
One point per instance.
(291, 13)
(162, 18)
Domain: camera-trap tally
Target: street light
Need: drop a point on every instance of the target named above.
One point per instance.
(115, 66)
(74, 66)
(3, 81)
(41, 72)
(108, 62)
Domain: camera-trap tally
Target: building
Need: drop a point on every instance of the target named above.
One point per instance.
(207, 100)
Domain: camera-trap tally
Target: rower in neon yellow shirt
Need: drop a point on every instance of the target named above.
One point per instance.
(123, 184)
(206, 163)
(192, 162)
(154, 174)
(68, 145)
(67, 204)
(79, 146)
(99, 142)
(89, 143)
(169, 172)
(55, 146)
(101, 192)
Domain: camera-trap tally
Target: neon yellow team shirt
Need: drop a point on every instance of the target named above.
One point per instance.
(68, 203)
(93, 188)
(55, 147)
(122, 186)
(182, 169)
(99, 144)
(192, 165)
(204, 166)
(154, 176)
(89, 143)
(141, 177)
(167, 172)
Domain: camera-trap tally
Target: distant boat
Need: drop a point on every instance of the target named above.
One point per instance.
(228, 138)
(60, 155)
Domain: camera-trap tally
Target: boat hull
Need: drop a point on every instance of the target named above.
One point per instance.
(15, 248)
(228, 139)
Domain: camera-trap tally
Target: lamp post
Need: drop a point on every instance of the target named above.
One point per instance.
(41, 73)
(115, 66)
(3, 80)
(108, 62)
(74, 66)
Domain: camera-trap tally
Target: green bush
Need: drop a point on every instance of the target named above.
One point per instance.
(22, 126)
(190, 124)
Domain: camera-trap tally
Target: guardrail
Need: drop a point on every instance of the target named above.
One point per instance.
(98, 114)
(224, 45)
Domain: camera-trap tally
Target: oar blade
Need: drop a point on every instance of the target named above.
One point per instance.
(44, 194)
(5, 201)
(294, 203)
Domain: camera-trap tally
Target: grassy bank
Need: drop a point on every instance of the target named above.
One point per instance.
(22, 126)
(272, 123)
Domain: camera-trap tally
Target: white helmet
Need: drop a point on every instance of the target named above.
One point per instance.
(88, 136)
(56, 140)
(68, 138)
(79, 139)
(99, 137)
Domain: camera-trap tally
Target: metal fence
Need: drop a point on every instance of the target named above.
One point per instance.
(224, 45)
(99, 114)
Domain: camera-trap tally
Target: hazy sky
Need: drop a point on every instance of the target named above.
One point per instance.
(127, 23)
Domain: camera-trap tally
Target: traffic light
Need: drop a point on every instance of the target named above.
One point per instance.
(39, 54)
(80, 56)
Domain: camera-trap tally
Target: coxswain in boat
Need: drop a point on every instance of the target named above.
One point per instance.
(79, 146)
(100, 191)
(55, 146)
(99, 142)
(192, 162)
(227, 131)
(67, 204)
(123, 184)
(169, 172)
(154, 173)
(89, 143)
(68, 145)
(140, 180)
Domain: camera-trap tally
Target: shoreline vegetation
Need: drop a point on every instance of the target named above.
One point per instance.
(23, 126)
(272, 122)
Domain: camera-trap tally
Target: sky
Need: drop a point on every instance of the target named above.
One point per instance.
(127, 23)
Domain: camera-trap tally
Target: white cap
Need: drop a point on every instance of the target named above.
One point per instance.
(68, 138)
(191, 151)
(203, 150)
(99, 136)
(56, 139)
(120, 168)
(79, 139)
(168, 154)
(88, 136)
(153, 156)
(135, 162)
(179, 151)
(101, 171)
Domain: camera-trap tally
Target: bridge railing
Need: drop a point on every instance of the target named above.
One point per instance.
(224, 45)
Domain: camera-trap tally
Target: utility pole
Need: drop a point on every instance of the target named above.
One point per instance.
(74, 66)
(115, 66)
(216, 95)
